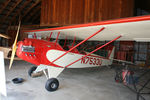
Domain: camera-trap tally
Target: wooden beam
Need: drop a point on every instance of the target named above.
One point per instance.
(4, 5)
(24, 27)
(8, 13)
(29, 9)
(4, 36)
(36, 17)
(19, 10)
(35, 11)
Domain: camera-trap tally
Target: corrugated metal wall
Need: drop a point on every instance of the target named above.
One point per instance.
(67, 12)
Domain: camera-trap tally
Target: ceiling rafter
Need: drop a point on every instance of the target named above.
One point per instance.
(36, 17)
(35, 11)
(10, 10)
(14, 6)
(37, 2)
(8, 13)
(4, 5)
(19, 10)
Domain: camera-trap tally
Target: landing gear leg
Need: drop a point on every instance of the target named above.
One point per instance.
(31, 72)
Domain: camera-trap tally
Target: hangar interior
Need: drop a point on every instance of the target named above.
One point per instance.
(78, 84)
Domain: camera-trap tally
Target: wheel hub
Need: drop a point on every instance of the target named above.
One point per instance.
(53, 85)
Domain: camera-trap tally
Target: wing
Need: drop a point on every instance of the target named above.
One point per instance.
(133, 28)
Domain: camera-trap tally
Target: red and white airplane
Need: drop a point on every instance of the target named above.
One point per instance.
(52, 58)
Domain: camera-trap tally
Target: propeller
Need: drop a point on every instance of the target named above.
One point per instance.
(14, 47)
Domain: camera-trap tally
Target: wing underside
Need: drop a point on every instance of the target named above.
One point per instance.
(131, 29)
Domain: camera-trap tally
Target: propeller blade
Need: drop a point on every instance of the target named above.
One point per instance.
(14, 47)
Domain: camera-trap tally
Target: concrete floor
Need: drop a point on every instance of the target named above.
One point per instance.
(75, 84)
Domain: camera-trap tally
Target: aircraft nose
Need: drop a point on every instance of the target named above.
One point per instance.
(25, 46)
(19, 45)
(26, 51)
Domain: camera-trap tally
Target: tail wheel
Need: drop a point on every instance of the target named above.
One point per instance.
(31, 70)
(52, 84)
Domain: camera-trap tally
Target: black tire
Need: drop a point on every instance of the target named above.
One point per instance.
(31, 70)
(52, 84)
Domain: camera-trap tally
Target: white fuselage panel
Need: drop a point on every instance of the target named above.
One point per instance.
(89, 61)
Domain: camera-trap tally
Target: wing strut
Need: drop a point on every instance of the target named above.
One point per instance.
(35, 37)
(94, 50)
(73, 41)
(50, 36)
(65, 42)
(78, 44)
(57, 37)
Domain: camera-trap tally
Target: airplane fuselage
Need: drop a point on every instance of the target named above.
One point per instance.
(44, 52)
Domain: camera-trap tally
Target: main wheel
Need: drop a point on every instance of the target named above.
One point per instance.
(31, 70)
(52, 84)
